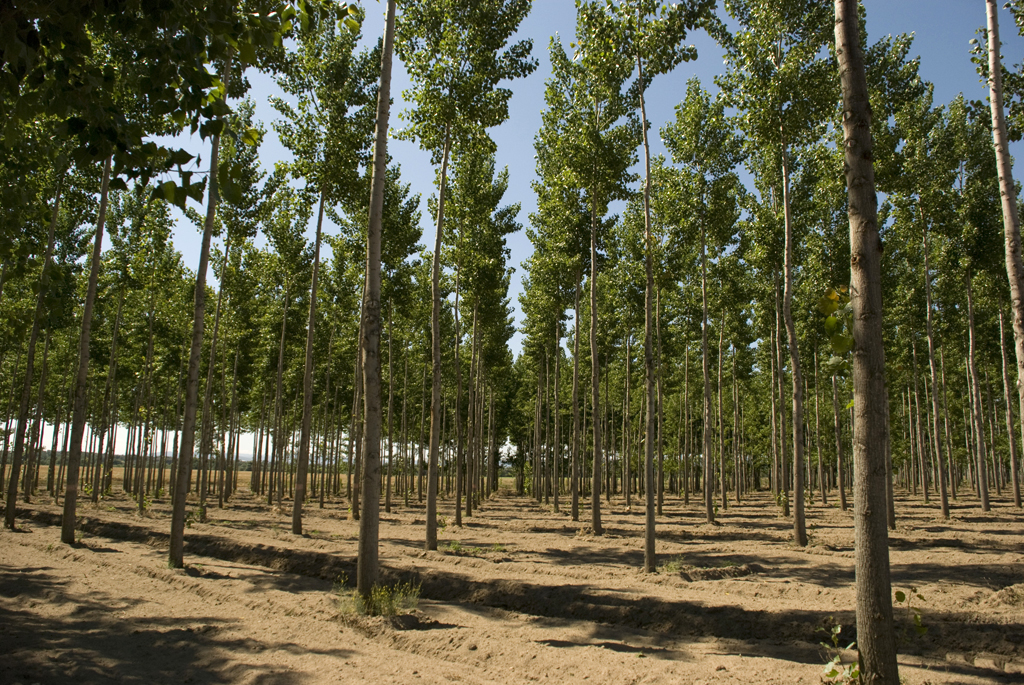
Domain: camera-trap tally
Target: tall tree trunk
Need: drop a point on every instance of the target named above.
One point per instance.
(595, 386)
(67, 534)
(709, 491)
(721, 419)
(188, 430)
(391, 397)
(875, 635)
(917, 425)
(1011, 435)
(37, 318)
(206, 430)
(557, 410)
(649, 555)
(577, 437)
(307, 382)
(1011, 220)
(369, 522)
(937, 439)
(977, 414)
(435, 328)
(783, 461)
(799, 527)
(817, 434)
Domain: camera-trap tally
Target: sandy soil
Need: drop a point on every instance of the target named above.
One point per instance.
(518, 594)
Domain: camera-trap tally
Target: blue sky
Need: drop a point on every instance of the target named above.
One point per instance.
(942, 28)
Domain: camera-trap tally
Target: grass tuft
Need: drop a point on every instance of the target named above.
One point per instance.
(384, 600)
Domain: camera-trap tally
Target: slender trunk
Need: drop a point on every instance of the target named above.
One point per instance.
(721, 419)
(37, 320)
(817, 434)
(369, 522)
(783, 470)
(876, 638)
(709, 504)
(799, 528)
(307, 383)
(1011, 220)
(1010, 433)
(435, 327)
(558, 424)
(577, 438)
(67, 534)
(649, 555)
(936, 438)
(595, 386)
(977, 414)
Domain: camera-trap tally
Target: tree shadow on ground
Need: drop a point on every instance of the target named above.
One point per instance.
(89, 639)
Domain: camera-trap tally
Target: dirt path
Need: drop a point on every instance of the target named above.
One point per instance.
(519, 594)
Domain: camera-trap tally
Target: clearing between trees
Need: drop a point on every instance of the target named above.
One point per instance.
(517, 594)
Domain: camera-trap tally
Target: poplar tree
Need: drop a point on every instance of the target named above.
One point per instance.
(456, 53)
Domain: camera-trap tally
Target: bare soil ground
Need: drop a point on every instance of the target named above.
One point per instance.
(518, 594)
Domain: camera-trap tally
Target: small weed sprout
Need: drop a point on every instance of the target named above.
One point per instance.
(836, 670)
(905, 600)
(498, 548)
(453, 547)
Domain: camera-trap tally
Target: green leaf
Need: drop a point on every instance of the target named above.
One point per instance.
(849, 405)
(901, 596)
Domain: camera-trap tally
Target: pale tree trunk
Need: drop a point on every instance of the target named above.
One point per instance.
(661, 414)
(206, 430)
(435, 328)
(67, 534)
(799, 528)
(391, 397)
(876, 638)
(188, 431)
(649, 555)
(783, 471)
(916, 409)
(945, 420)
(458, 408)
(595, 387)
(1010, 433)
(1011, 220)
(577, 438)
(708, 478)
(106, 412)
(277, 458)
(977, 413)
(307, 383)
(817, 434)
(721, 419)
(557, 408)
(26, 391)
(369, 522)
(936, 436)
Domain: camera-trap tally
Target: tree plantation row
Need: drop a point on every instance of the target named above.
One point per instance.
(701, 325)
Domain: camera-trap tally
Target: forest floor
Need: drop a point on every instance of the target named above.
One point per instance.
(518, 594)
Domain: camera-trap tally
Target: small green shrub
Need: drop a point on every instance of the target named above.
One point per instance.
(674, 565)
(384, 600)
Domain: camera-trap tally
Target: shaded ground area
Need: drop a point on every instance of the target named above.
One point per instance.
(519, 594)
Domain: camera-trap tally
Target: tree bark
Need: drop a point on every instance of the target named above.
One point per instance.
(1011, 220)
(369, 522)
(936, 435)
(799, 527)
(649, 488)
(875, 635)
(307, 383)
(67, 534)
(435, 328)
(37, 317)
